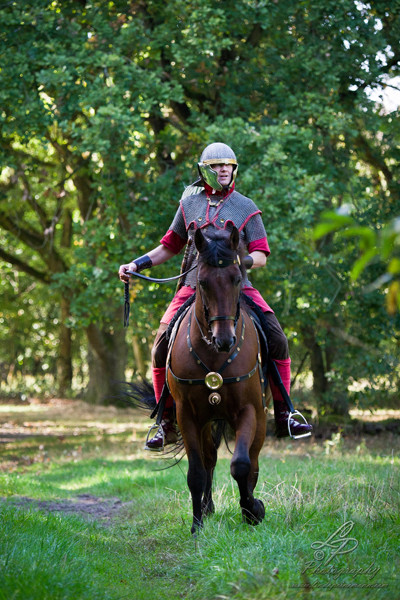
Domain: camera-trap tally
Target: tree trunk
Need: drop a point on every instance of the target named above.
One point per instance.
(140, 364)
(329, 399)
(107, 360)
(64, 360)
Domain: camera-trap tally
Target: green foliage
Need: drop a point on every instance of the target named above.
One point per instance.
(28, 335)
(382, 245)
(107, 106)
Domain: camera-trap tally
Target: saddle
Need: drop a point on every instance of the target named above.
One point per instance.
(268, 365)
(170, 337)
(260, 322)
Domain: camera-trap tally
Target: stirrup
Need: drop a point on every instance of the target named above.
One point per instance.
(303, 435)
(160, 429)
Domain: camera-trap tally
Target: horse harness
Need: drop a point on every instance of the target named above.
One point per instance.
(214, 380)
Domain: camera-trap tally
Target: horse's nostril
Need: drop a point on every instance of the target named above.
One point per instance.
(224, 345)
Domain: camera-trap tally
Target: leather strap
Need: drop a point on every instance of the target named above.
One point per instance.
(154, 280)
(228, 361)
(127, 307)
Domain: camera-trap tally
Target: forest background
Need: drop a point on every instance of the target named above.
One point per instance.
(105, 107)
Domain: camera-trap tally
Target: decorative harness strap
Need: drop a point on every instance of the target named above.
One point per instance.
(213, 379)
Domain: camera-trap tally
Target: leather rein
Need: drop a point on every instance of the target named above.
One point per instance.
(127, 306)
(214, 379)
(155, 280)
(210, 375)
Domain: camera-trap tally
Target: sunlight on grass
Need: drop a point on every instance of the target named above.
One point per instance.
(101, 476)
(309, 490)
(10, 408)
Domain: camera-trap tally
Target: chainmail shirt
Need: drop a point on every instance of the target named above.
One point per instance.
(196, 211)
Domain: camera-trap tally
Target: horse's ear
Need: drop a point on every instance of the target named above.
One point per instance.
(200, 240)
(234, 239)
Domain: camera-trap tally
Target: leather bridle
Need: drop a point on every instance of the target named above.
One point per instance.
(220, 263)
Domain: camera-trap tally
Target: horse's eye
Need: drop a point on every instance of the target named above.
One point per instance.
(237, 280)
(203, 283)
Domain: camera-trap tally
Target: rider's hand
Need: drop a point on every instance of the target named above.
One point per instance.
(122, 272)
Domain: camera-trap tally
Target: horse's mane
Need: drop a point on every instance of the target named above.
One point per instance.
(219, 248)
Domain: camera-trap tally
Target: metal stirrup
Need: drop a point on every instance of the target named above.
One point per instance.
(159, 429)
(302, 435)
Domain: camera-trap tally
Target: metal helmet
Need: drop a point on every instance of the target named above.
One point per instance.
(216, 154)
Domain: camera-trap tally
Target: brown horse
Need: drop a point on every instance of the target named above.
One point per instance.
(214, 374)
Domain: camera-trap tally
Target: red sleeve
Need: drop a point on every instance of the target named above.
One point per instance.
(259, 245)
(173, 241)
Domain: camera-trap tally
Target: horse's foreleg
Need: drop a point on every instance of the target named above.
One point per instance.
(255, 449)
(197, 475)
(210, 459)
(196, 479)
(245, 469)
(258, 510)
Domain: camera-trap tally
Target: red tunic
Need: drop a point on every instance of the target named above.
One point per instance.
(196, 213)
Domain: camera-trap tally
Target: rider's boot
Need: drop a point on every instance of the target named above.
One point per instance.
(167, 433)
(281, 410)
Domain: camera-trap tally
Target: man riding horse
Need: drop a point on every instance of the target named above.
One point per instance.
(213, 202)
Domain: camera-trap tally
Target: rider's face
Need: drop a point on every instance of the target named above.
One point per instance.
(224, 173)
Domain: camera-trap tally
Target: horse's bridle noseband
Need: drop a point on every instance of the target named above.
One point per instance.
(221, 263)
(210, 320)
(224, 318)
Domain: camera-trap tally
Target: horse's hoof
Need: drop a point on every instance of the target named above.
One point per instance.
(196, 527)
(208, 508)
(256, 515)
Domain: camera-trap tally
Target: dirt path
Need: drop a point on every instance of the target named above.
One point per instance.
(87, 505)
(60, 417)
(30, 431)
(70, 430)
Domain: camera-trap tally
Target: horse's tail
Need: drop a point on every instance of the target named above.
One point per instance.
(220, 430)
(139, 395)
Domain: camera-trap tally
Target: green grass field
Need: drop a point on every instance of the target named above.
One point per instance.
(87, 514)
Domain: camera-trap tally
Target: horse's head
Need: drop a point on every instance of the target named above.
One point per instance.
(219, 278)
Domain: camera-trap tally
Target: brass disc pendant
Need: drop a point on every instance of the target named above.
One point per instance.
(214, 398)
(213, 380)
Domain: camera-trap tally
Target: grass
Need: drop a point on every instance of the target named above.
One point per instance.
(144, 551)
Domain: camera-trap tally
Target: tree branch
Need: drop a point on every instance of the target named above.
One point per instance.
(25, 268)
(31, 238)
(372, 157)
(38, 209)
(35, 241)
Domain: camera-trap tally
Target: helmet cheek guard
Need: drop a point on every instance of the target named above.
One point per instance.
(209, 176)
(216, 154)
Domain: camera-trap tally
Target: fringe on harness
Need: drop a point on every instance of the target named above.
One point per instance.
(159, 409)
(269, 364)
